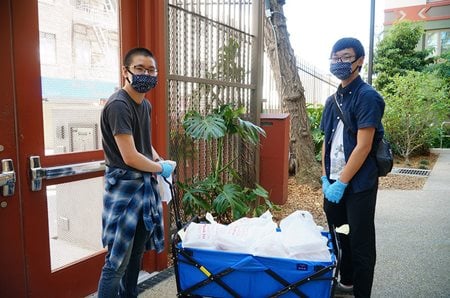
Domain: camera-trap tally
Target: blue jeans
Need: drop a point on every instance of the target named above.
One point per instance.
(122, 282)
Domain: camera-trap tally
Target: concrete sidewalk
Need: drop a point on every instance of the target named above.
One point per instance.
(413, 238)
(413, 241)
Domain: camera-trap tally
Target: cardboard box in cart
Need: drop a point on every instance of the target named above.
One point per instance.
(213, 273)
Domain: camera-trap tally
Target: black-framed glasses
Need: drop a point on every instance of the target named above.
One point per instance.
(345, 58)
(140, 70)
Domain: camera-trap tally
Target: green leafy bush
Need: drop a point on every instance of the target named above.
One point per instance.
(220, 192)
(315, 116)
(397, 53)
(416, 104)
(441, 68)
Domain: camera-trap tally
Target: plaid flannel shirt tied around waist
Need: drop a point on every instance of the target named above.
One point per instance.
(126, 194)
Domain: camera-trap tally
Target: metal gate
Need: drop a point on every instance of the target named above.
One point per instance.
(213, 55)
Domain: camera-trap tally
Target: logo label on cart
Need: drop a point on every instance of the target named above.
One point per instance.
(302, 267)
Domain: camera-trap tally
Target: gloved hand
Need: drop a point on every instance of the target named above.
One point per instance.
(167, 168)
(335, 191)
(325, 184)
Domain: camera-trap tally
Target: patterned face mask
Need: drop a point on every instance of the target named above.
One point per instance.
(143, 83)
(342, 70)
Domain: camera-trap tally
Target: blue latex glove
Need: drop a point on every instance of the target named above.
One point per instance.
(325, 184)
(335, 191)
(167, 168)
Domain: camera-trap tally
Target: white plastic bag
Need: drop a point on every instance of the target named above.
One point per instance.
(271, 245)
(297, 238)
(201, 235)
(242, 235)
(164, 188)
(302, 238)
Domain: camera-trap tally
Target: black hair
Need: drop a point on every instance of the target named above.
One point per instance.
(134, 52)
(346, 43)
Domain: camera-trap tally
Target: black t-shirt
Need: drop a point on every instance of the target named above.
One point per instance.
(122, 115)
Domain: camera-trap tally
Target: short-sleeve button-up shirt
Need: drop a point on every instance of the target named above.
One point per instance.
(362, 107)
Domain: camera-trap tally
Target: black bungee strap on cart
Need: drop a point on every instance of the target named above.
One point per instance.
(187, 258)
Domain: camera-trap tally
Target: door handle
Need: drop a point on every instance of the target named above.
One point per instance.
(38, 173)
(7, 178)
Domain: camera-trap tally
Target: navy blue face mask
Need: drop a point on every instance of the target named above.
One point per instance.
(342, 70)
(143, 83)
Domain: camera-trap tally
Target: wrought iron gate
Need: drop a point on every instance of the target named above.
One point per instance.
(211, 61)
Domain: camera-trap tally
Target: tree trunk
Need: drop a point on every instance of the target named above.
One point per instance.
(289, 86)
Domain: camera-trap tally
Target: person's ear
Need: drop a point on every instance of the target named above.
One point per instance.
(124, 72)
(360, 61)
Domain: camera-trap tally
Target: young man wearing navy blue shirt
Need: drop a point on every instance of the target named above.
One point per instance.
(349, 170)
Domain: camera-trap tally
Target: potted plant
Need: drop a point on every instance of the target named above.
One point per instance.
(220, 192)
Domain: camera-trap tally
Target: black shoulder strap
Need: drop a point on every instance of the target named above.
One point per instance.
(341, 114)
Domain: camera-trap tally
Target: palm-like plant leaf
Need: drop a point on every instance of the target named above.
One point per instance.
(246, 129)
(249, 131)
(230, 198)
(205, 128)
(260, 191)
(193, 201)
(212, 194)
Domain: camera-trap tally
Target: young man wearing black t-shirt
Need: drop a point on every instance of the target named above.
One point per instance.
(132, 217)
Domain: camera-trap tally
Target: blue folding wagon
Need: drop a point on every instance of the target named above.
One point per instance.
(211, 273)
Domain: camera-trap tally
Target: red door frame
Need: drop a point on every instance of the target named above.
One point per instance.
(29, 274)
(12, 260)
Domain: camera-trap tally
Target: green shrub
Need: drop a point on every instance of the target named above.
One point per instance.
(424, 162)
(221, 192)
(397, 52)
(416, 104)
(315, 116)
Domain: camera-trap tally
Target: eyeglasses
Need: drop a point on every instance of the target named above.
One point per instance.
(140, 70)
(342, 59)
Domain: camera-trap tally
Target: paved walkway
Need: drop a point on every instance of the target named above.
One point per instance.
(413, 241)
(413, 238)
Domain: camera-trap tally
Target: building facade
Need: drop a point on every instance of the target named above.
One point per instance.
(435, 15)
